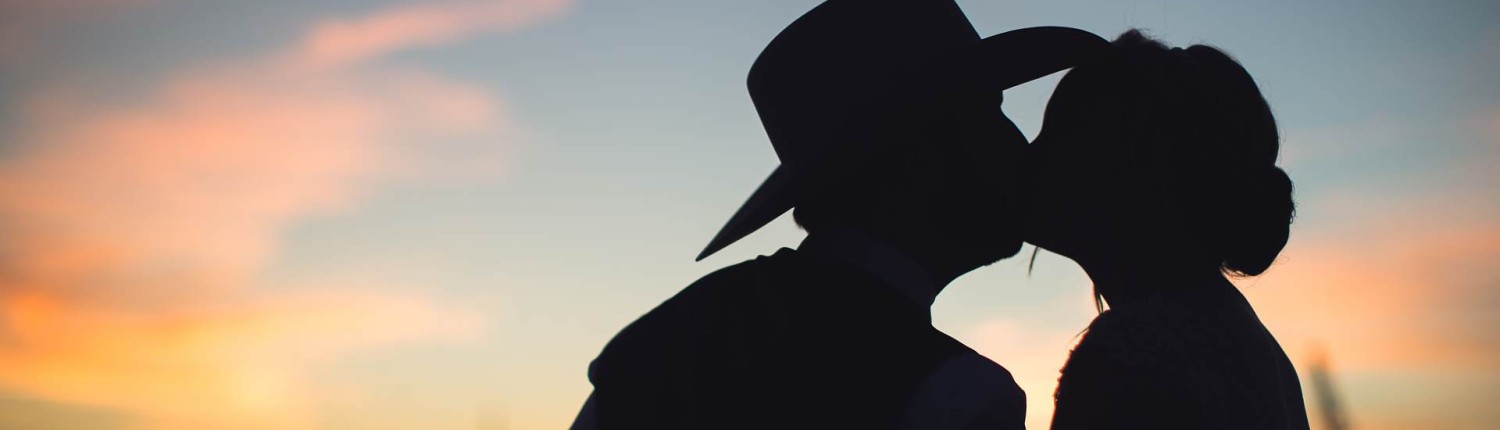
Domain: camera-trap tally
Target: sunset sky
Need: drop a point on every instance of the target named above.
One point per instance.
(357, 214)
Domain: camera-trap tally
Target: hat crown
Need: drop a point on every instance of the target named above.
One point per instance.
(819, 82)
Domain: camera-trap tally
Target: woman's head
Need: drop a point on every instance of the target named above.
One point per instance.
(1159, 153)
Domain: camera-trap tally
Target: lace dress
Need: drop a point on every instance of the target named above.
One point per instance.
(1185, 360)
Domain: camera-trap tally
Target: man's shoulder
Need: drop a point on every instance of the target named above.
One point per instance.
(728, 287)
(745, 272)
(729, 280)
(684, 321)
(967, 390)
(972, 371)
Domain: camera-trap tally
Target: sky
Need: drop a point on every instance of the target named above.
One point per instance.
(358, 214)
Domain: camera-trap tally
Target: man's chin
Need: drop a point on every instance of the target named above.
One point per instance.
(1002, 250)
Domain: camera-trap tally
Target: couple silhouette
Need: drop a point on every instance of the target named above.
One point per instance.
(1154, 171)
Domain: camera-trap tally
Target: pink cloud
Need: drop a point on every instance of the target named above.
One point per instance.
(340, 42)
(134, 232)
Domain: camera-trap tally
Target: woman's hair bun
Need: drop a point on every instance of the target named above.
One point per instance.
(1263, 223)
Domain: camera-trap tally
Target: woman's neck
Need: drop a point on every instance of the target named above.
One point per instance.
(1125, 280)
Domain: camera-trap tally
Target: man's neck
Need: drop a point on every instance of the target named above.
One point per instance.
(882, 260)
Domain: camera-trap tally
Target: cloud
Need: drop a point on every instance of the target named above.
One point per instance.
(132, 233)
(222, 365)
(1390, 267)
(1398, 278)
(1391, 293)
(1403, 302)
(341, 42)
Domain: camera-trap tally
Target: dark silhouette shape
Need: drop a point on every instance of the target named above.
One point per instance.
(1155, 171)
(846, 83)
(1328, 397)
(900, 164)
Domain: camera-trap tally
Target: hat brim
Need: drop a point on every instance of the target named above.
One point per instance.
(994, 64)
(776, 195)
(1023, 55)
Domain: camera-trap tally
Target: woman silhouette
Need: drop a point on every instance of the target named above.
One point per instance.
(1155, 171)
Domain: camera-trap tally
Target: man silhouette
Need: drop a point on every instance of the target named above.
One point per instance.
(898, 162)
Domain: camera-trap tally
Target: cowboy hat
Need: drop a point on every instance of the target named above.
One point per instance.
(850, 71)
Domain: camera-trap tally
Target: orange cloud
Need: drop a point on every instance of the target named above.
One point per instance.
(1392, 296)
(1403, 282)
(1400, 290)
(133, 233)
(225, 365)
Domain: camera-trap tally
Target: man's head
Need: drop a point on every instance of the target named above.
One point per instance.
(855, 80)
(946, 192)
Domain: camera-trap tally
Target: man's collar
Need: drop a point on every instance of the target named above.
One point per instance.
(883, 261)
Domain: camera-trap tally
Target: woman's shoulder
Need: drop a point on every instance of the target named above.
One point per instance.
(1146, 333)
(1124, 371)
(1180, 334)
(1217, 361)
(1178, 342)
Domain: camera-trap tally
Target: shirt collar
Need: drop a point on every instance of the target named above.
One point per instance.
(879, 259)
